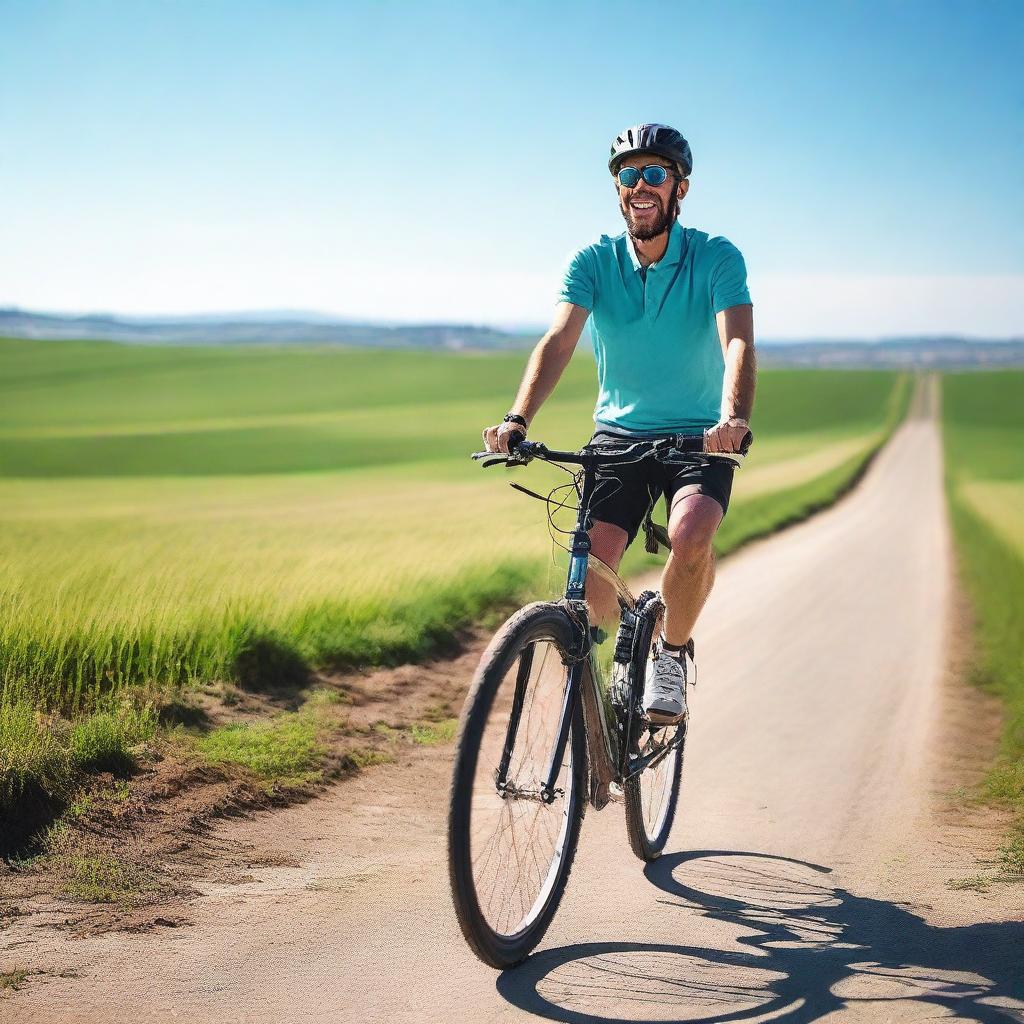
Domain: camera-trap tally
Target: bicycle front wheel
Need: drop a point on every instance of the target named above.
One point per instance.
(652, 796)
(510, 846)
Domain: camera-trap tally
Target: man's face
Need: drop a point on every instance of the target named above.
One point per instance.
(650, 210)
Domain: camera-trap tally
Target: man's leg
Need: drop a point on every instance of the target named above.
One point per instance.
(690, 571)
(607, 542)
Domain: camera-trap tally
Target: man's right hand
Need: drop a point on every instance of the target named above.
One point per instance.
(496, 438)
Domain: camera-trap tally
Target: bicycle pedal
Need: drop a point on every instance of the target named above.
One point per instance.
(655, 720)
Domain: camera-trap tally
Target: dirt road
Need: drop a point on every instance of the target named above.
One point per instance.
(806, 878)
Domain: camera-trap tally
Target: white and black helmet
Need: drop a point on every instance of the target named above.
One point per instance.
(659, 139)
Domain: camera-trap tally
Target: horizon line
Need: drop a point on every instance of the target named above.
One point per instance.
(315, 318)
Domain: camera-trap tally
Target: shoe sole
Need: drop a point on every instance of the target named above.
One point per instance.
(663, 718)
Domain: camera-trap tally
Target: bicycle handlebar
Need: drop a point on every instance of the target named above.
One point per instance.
(522, 451)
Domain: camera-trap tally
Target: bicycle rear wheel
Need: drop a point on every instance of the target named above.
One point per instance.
(510, 851)
(651, 798)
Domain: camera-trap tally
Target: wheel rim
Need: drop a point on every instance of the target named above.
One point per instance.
(516, 841)
(656, 782)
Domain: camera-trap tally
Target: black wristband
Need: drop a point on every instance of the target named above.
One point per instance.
(515, 418)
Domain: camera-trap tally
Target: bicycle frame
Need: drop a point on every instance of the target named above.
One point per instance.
(609, 763)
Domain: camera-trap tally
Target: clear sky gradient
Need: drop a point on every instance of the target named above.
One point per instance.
(439, 161)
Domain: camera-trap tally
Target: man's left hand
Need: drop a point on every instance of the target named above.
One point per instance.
(726, 436)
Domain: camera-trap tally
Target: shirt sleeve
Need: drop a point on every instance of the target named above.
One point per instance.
(729, 278)
(578, 282)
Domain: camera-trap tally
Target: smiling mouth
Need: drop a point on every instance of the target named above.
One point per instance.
(642, 206)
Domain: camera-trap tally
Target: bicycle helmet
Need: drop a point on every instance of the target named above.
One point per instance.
(651, 138)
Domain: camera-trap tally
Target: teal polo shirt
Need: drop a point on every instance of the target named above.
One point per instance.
(659, 359)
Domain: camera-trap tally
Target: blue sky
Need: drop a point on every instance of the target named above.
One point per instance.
(440, 161)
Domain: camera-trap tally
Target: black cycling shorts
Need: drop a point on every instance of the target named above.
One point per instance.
(623, 494)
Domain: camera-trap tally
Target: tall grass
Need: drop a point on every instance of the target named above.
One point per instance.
(984, 440)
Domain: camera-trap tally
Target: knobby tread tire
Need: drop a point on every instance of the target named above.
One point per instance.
(538, 621)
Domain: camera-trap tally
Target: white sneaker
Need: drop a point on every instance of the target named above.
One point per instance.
(665, 689)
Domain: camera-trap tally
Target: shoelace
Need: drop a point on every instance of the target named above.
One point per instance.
(666, 685)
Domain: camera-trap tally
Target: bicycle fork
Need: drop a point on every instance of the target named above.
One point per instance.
(601, 741)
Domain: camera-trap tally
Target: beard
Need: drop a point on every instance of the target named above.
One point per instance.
(661, 222)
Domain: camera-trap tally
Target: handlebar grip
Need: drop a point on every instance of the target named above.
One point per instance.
(691, 443)
(515, 438)
(694, 443)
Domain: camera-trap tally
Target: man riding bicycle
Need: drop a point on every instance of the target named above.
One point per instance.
(674, 341)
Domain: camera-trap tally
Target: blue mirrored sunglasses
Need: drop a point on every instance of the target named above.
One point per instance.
(653, 174)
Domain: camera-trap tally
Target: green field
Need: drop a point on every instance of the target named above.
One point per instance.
(983, 417)
(179, 515)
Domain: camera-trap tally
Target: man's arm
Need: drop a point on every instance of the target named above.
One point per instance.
(736, 333)
(547, 363)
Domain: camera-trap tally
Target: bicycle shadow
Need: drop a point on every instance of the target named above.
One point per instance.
(795, 948)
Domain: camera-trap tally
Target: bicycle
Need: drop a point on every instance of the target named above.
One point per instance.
(541, 734)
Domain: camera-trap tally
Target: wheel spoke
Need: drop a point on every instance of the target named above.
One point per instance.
(516, 839)
(651, 796)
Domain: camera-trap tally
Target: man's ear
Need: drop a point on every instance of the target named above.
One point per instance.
(684, 185)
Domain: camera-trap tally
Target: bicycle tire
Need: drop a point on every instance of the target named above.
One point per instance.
(647, 838)
(533, 625)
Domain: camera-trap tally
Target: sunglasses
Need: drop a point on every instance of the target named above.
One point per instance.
(653, 174)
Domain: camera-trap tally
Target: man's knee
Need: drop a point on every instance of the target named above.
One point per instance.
(691, 550)
(695, 520)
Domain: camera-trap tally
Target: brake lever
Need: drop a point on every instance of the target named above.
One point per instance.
(487, 459)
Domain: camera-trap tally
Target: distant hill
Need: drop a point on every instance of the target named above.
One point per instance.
(252, 329)
(296, 328)
(895, 353)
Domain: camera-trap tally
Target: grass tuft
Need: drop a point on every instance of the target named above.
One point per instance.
(44, 760)
(360, 758)
(284, 750)
(89, 875)
(1011, 853)
(104, 741)
(432, 734)
(1006, 782)
(33, 754)
(975, 883)
(13, 979)
(100, 878)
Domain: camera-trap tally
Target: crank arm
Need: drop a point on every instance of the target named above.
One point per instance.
(641, 764)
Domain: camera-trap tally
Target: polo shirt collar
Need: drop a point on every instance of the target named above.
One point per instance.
(673, 252)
